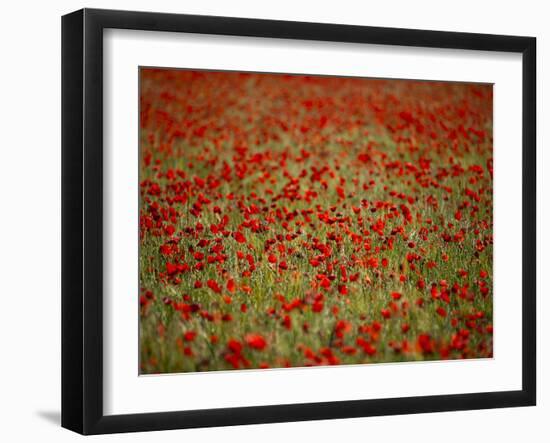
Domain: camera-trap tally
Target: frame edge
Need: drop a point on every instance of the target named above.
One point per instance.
(529, 220)
(72, 123)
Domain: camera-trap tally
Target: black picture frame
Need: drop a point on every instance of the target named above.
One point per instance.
(82, 218)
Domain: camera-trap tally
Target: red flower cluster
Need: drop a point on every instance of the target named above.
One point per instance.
(296, 220)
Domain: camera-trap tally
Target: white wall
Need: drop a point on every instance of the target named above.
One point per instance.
(30, 218)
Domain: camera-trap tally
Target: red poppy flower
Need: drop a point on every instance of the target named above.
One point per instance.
(189, 335)
(256, 341)
(231, 285)
(239, 237)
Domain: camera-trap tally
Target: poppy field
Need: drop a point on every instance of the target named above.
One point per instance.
(291, 221)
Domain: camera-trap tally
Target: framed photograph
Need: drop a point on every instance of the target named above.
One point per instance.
(269, 221)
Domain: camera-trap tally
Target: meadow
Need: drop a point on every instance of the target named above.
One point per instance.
(290, 221)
